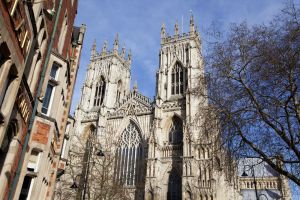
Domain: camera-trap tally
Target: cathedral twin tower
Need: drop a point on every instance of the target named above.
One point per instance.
(159, 150)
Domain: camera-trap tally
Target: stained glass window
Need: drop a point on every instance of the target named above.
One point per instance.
(129, 157)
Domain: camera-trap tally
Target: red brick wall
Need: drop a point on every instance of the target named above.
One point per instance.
(71, 11)
(15, 49)
(42, 133)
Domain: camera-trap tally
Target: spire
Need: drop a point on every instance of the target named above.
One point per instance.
(104, 48)
(129, 55)
(163, 31)
(192, 25)
(176, 28)
(135, 86)
(93, 50)
(123, 51)
(116, 43)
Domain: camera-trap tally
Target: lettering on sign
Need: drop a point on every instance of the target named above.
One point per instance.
(24, 105)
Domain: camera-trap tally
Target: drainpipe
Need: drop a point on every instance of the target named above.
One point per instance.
(36, 102)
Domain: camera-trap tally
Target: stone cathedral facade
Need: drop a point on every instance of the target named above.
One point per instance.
(160, 151)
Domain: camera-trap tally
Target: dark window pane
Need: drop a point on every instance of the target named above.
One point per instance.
(181, 88)
(181, 76)
(96, 93)
(47, 98)
(174, 186)
(177, 77)
(187, 54)
(103, 92)
(173, 78)
(25, 188)
(54, 70)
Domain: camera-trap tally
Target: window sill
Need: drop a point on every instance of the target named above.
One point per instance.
(53, 81)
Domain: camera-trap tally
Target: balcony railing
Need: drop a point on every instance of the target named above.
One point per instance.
(171, 150)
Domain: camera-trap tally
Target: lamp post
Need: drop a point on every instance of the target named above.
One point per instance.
(254, 179)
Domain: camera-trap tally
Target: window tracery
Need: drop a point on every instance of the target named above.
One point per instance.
(178, 79)
(129, 156)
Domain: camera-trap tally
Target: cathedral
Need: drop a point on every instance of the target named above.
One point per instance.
(160, 150)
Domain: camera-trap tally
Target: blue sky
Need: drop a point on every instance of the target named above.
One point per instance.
(138, 23)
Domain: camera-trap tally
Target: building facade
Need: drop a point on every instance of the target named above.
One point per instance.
(257, 180)
(40, 52)
(17, 40)
(160, 149)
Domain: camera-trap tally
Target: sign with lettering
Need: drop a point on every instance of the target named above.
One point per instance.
(23, 104)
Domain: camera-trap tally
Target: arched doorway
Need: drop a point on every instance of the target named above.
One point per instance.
(174, 186)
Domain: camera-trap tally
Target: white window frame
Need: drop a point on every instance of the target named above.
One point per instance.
(51, 99)
(35, 166)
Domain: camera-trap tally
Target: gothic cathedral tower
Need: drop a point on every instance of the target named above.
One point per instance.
(180, 161)
(170, 156)
(106, 84)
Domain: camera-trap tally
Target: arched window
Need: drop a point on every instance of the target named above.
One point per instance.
(7, 85)
(129, 157)
(178, 79)
(174, 186)
(119, 91)
(100, 92)
(175, 132)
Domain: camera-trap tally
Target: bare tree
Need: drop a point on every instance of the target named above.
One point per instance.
(253, 81)
(90, 170)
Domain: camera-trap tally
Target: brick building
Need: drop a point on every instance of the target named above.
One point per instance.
(39, 56)
(17, 36)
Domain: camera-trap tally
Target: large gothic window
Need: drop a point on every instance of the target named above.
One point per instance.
(100, 92)
(129, 157)
(175, 131)
(178, 79)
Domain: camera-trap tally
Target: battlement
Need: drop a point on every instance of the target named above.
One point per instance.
(166, 38)
(108, 53)
(176, 38)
